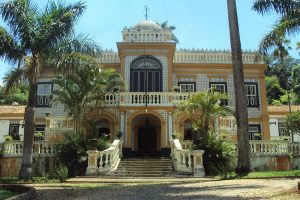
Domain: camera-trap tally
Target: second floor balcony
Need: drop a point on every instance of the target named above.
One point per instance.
(143, 99)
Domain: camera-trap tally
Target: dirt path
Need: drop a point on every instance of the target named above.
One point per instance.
(227, 189)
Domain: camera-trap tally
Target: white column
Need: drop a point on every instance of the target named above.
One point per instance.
(170, 125)
(122, 127)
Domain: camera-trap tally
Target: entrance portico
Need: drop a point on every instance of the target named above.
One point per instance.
(146, 133)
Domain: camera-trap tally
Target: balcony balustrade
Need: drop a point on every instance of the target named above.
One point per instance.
(15, 148)
(142, 98)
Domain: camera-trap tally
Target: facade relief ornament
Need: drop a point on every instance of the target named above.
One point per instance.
(146, 62)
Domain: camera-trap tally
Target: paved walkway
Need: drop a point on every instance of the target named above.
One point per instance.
(137, 180)
(206, 189)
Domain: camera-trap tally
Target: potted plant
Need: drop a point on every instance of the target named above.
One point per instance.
(38, 136)
(176, 89)
(119, 134)
(8, 138)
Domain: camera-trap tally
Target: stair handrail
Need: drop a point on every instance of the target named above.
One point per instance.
(187, 160)
(104, 161)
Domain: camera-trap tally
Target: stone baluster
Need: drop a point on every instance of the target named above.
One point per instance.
(198, 169)
(189, 163)
(101, 161)
(120, 149)
(92, 168)
(106, 159)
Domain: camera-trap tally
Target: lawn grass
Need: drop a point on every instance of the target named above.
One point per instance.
(274, 174)
(15, 180)
(266, 174)
(4, 194)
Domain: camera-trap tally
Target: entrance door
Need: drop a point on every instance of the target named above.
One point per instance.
(146, 140)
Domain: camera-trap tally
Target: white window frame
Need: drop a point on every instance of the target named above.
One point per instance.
(282, 129)
(189, 87)
(44, 91)
(251, 90)
(213, 85)
(253, 132)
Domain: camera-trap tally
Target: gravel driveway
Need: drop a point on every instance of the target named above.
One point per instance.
(227, 189)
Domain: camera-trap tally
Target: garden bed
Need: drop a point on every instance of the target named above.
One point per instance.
(17, 192)
(4, 194)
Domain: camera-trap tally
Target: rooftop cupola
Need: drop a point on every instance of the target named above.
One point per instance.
(146, 31)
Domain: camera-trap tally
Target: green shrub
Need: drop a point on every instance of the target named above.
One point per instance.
(39, 136)
(8, 138)
(61, 173)
(103, 143)
(71, 152)
(219, 157)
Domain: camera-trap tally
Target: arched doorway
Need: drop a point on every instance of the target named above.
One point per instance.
(147, 132)
(147, 140)
(102, 128)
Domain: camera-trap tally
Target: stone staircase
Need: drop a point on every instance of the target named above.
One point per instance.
(145, 167)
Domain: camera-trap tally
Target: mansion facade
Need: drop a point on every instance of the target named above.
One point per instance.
(158, 76)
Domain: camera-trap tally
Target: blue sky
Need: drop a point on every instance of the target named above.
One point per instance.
(199, 23)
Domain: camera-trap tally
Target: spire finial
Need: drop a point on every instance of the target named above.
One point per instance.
(146, 9)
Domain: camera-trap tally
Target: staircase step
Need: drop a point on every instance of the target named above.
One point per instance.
(144, 167)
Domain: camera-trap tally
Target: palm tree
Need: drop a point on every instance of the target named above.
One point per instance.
(75, 92)
(37, 41)
(243, 165)
(203, 109)
(288, 23)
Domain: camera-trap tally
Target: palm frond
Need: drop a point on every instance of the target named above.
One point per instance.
(285, 26)
(57, 21)
(282, 7)
(20, 15)
(10, 51)
(79, 43)
(290, 24)
(114, 81)
(13, 78)
(74, 61)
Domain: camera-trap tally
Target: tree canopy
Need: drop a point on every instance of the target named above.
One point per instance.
(38, 41)
(288, 22)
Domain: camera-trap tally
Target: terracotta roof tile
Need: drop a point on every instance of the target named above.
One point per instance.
(283, 109)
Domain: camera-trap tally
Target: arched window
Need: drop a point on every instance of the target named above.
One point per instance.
(146, 75)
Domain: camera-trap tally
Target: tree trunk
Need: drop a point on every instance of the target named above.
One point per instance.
(29, 128)
(77, 123)
(243, 165)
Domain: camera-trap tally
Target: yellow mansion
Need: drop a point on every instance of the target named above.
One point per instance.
(158, 76)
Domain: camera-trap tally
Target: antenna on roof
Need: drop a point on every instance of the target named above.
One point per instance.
(146, 9)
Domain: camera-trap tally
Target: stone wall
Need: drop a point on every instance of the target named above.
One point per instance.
(41, 166)
(274, 163)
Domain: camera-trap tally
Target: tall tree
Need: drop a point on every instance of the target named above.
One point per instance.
(274, 90)
(288, 22)
(203, 109)
(296, 81)
(18, 95)
(243, 165)
(75, 92)
(37, 41)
